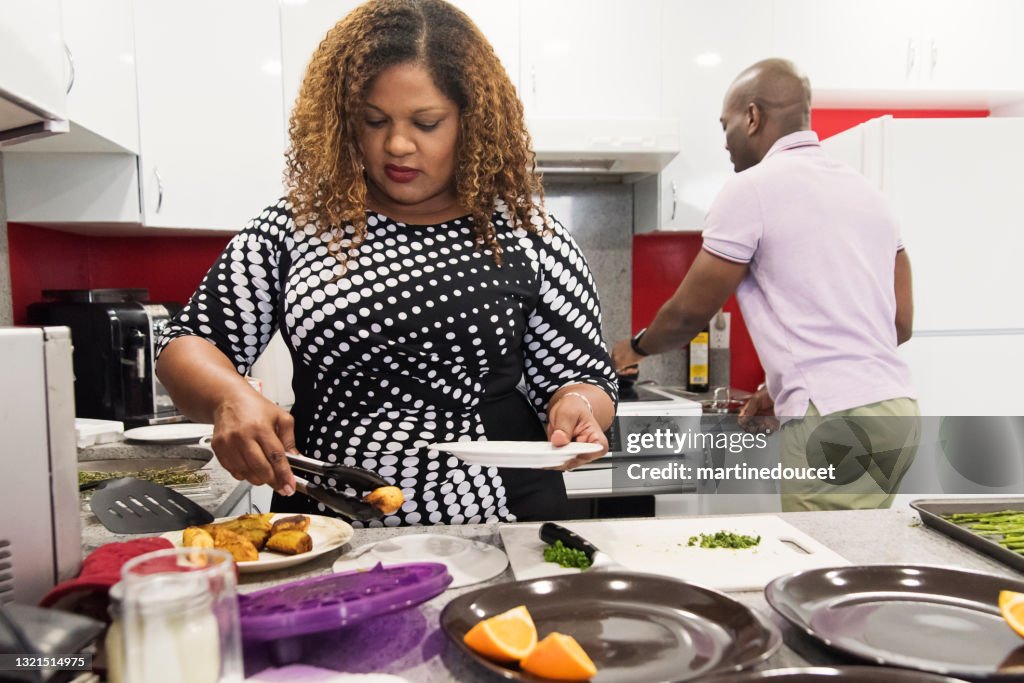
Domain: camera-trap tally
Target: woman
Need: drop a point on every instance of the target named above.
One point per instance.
(415, 280)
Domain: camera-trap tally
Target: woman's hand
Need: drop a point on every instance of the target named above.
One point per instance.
(250, 433)
(570, 419)
(251, 436)
(758, 415)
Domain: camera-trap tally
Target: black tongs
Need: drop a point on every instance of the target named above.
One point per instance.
(357, 478)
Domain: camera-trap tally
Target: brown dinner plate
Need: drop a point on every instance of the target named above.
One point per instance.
(934, 619)
(832, 674)
(636, 627)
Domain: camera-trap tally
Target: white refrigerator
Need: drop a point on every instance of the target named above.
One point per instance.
(956, 187)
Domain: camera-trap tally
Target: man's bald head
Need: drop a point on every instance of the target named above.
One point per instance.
(776, 86)
(767, 101)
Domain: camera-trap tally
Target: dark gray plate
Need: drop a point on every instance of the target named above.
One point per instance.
(836, 674)
(636, 627)
(934, 619)
(932, 512)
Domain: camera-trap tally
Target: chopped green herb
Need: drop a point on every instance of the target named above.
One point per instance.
(566, 557)
(168, 477)
(724, 539)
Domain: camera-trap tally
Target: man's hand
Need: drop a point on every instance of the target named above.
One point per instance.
(624, 359)
(571, 420)
(758, 415)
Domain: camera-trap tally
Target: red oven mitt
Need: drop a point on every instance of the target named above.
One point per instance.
(87, 594)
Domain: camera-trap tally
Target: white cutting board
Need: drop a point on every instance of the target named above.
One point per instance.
(659, 546)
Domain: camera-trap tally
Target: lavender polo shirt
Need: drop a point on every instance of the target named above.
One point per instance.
(818, 298)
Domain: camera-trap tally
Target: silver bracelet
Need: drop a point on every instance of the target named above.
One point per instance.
(582, 398)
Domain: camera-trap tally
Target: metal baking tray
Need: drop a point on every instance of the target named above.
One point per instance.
(931, 512)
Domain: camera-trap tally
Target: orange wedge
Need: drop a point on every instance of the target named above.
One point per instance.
(1011, 604)
(507, 637)
(559, 656)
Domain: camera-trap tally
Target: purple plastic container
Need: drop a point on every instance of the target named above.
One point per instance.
(325, 603)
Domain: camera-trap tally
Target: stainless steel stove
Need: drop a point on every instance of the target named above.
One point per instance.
(648, 409)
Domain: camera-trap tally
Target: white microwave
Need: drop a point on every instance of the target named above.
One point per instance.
(41, 533)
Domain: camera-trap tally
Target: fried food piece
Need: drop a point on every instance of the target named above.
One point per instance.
(292, 523)
(387, 499)
(252, 527)
(292, 542)
(240, 547)
(196, 537)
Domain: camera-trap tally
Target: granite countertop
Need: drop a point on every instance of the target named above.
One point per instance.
(861, 536)
(410, 643)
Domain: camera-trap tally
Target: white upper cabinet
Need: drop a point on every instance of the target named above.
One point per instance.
(591, 59)
(33, 73)
(974, 45)
(210, 121)
(845, 45)
(210, 111)
(102, 101)
(704, 48)
(904, 52)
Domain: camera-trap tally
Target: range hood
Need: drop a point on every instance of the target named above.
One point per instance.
(21, 120)
(604, 146)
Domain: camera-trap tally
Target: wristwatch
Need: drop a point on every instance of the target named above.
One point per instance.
(634, 343)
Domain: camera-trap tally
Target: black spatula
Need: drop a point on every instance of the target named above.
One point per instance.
(133, 506)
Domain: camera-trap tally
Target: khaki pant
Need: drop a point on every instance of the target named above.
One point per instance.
(871, 447)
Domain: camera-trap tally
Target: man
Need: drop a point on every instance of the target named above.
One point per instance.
(814, 257)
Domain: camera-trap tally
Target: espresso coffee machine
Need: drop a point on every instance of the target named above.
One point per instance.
(114, 332)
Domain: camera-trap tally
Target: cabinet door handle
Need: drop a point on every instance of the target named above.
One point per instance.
(159, 190)
(675, 196)
(934, 59)
(911, 56)
(533, 79)
(71, 68)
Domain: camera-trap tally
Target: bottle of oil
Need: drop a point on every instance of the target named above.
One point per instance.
(697, 379)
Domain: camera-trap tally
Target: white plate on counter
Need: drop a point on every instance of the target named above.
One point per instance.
(468, 561)
(183, 432)
(530, 454)
(328, 533)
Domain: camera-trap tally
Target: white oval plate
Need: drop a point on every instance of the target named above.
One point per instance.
(533, 454)
(185, 432)
(328, 533)
(468, 561)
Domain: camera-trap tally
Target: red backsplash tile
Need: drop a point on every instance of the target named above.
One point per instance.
(169, 267)
(660, 260)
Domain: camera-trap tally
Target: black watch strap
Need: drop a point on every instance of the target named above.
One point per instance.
(634, 343)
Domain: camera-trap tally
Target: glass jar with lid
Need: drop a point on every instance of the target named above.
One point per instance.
(180, 618)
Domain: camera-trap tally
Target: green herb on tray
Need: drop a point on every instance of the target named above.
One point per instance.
(1005, 527)
(566, 557)
(171, 476)
(724, 539)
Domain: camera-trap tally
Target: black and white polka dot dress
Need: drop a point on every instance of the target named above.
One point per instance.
(402, 350)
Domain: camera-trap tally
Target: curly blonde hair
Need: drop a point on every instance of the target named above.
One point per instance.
(324, 174)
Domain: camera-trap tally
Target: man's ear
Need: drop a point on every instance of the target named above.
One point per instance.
(755, 118)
